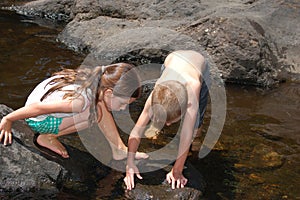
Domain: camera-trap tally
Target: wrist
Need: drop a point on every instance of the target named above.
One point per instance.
(130, 162)
(130, 158)
(6, 118)
(177, 168)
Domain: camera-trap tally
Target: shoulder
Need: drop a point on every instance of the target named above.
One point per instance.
(193, 88)
(185, 54)
(78, 104)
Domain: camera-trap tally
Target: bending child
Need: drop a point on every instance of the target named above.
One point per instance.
(179, 94)
(71, 100)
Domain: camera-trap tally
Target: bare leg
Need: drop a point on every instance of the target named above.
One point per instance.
(68, 125)
(50, 141)
(108, 127)
(80, 122)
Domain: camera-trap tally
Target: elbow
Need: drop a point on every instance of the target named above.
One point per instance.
(38, 108)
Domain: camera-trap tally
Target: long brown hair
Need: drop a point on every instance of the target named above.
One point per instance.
(121, 78)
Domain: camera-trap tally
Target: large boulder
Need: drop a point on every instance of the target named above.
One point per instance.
(58, 10)
(251, 42)
(30, 171)
(22, 168)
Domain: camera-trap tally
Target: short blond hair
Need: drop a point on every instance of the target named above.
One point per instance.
(169, 101)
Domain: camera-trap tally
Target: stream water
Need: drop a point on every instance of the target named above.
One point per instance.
(256, 157)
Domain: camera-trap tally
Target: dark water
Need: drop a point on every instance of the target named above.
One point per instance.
(29, 54)
(257, 156)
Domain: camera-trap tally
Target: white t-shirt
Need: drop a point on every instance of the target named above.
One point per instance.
(42, 88)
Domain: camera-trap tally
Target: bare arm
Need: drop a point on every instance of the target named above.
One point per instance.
(41, 108)
(36, 109)
(138, 130)
(175, 177)
(186, 137)
(107, 125)
(133, 144)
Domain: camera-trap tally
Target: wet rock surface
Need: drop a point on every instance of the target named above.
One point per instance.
(251, 42)
(39, 173)
(154, 185)
(273, 37)
(31, 172)
(22, 168)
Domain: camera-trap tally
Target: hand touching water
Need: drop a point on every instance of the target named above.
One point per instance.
(131, 169)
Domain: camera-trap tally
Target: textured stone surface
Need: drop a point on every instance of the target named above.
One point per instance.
(41, 173)
(250, 42)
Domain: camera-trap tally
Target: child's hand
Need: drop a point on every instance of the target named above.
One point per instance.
(176, 179)
(129, 179)
(5, 131)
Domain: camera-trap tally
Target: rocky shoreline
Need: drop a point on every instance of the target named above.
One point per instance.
(252, 42)
(31, 172)
(249, 42)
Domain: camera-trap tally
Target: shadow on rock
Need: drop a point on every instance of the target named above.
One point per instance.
(28, 172)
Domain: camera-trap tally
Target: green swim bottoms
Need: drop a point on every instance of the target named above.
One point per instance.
(48, 125)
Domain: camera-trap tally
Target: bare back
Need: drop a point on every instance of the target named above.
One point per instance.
(183, 66)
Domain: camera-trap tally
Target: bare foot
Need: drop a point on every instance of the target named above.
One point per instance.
(122, 154)
(141, 155)
(50, 142)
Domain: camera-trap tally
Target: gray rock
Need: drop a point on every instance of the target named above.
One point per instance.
(154, 186)
(34, 172)
(22, 168)
(250, 42)
(30, 172)
(58, 10)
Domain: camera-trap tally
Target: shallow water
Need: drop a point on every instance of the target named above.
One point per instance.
(29, 54)
(257, 156)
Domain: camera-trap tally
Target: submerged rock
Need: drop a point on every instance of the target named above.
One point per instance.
(266, 157)
(163, 192)
(262, 157)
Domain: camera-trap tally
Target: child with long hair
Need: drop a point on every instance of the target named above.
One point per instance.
(72, 100)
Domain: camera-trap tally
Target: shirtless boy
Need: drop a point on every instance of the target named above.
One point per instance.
(179, 94)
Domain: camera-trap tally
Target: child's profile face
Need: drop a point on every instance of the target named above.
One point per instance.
(115, 103)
